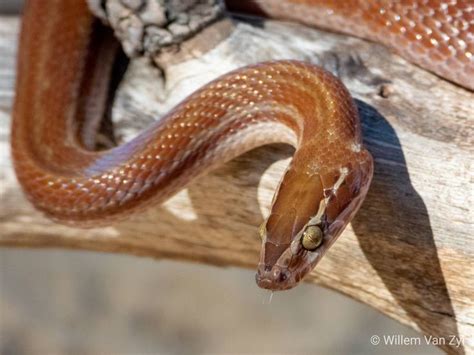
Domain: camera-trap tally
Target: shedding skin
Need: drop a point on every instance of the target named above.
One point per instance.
(60, 99)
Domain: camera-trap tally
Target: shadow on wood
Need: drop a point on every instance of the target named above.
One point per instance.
(399, 244)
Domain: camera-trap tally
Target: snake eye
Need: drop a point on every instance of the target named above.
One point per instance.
(312, 238)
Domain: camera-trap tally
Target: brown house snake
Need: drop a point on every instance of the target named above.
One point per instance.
(60, 88)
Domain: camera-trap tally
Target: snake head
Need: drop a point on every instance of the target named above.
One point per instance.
(293, 242)
(283, 266)
(293, 261)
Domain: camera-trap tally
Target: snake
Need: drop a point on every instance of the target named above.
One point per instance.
(62, 75)
(437, 35)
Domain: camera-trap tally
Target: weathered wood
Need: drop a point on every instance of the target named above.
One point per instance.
(409, 252)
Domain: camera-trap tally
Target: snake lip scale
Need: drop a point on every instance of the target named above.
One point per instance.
(61, 96)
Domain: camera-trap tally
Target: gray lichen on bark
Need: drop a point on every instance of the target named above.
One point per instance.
(145, 27)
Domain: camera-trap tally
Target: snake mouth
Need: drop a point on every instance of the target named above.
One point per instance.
(275, 278)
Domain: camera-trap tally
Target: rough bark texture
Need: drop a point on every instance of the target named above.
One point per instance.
(409, 251)
(146, 26)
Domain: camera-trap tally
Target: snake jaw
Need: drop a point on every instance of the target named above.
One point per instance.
(293, 264)
(276, 278)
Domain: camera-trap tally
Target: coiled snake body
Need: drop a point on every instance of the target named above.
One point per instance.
(59, 89)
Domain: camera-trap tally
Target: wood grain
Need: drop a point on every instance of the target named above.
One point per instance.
(409, 252)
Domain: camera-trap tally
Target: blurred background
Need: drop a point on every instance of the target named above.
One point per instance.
(64, 302)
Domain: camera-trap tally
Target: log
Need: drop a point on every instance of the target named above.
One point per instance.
(409, 252)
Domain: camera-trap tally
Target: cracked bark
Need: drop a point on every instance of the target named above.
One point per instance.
(408, 253)
(147, 26)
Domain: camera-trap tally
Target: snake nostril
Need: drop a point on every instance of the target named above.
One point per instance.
(283, 277)
(280, 275)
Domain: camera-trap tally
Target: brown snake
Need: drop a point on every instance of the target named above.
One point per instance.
(60, 87)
